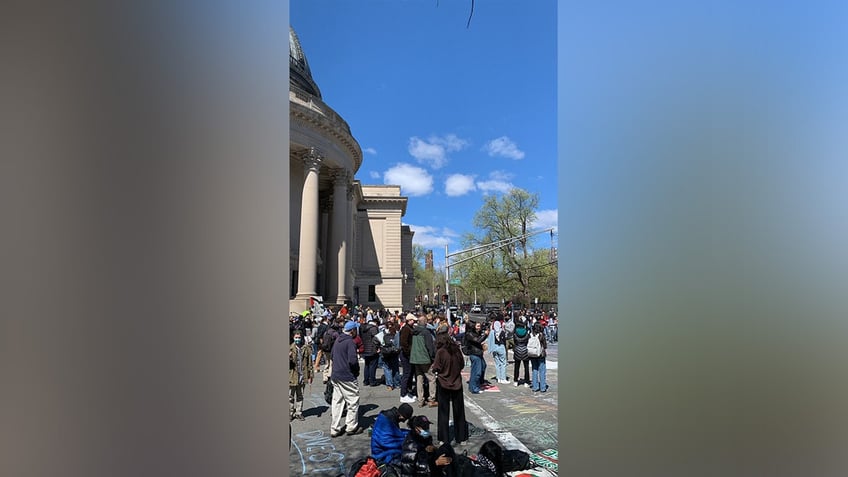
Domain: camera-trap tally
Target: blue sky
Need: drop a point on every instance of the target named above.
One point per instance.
(449, 113)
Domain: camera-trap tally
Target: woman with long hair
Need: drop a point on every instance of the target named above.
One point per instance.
(448, 367)
(490, 458)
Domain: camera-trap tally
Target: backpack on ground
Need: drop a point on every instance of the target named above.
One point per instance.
(515, 459)
(534, 346)
(364, 467)
(328, 340)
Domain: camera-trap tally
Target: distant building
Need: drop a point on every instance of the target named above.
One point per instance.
(347, 240)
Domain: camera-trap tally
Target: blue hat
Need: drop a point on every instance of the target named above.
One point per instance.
(350, 325)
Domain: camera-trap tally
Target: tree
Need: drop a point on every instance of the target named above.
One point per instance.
(516, 272)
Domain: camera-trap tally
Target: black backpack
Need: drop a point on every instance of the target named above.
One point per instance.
(328, 340)
(515, 459)
(500, 338)
(388, 348)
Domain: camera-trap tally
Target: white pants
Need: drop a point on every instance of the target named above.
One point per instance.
(345, 393)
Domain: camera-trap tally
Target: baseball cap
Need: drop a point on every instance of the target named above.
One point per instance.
(350, 325)
(421, 421)
(410, 316)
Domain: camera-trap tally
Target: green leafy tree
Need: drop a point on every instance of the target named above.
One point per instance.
(516, 271)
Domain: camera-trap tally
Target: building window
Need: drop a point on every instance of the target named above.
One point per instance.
(293, 291)
(372, 293)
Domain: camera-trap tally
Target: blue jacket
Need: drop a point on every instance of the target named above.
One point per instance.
(387, 437)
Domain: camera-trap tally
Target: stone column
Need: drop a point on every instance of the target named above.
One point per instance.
(308, 255)
(326, 288)
(351, 224)
(339, 240)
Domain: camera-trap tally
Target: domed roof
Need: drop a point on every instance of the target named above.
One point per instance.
(299, 73)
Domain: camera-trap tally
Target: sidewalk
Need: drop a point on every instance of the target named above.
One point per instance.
(314, 452)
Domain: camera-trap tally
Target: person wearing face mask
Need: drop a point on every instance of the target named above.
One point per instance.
(420, 458)
(300, 373)
(387, 437)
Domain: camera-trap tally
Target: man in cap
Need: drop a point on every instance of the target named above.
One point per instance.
(420, 458)
(344, 376)
(387, 437)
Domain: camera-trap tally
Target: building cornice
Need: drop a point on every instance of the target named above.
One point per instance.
(310, 112)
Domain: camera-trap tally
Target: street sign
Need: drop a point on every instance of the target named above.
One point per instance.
(454, 281)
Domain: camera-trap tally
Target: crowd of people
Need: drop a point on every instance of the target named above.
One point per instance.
(422, 356)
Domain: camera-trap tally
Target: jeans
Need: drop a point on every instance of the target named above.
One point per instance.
(499, 353)
(539, 371)
(390, 371)
(478, 367)
(370, 370)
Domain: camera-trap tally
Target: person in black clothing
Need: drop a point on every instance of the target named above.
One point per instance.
(420, 458)
(448, 368)
(490, 459)
(520, 337)
(405, 349)
(474, 339)
(369, 352)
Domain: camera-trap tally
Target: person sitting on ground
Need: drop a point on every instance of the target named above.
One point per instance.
(387, 437)
(420, 458)
(490, 460)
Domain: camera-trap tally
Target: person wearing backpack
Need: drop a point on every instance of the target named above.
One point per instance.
(325, 348)
(520, 355)
(537, 345)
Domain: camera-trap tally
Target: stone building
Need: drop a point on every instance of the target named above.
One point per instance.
(347, 240)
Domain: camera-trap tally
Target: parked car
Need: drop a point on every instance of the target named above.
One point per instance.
(476, 309)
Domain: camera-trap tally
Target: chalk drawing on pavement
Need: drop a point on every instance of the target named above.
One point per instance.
(317, 454)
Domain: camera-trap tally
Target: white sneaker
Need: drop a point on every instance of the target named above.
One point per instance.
(515, 383)
(526, 385)
(408, 399)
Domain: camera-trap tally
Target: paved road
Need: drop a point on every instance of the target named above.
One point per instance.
(515, 416)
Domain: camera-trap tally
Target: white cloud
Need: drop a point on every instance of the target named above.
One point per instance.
(504, 147)
(495, 186)
(434, 151)
(413, 181)
(500, 176)
(459, 184)
(432, 237)
(370, 150)
(498, 182)
(546, 219)
(375, 174)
